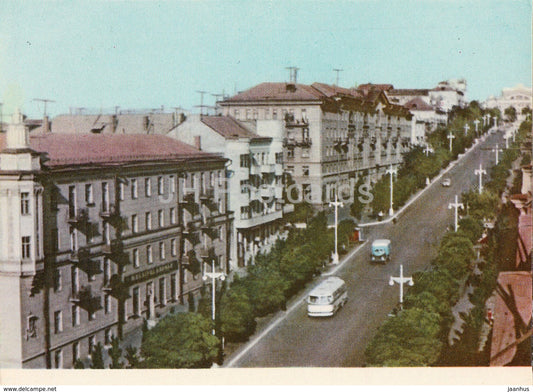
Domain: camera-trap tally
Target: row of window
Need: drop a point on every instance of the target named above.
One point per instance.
(149, 252)
(148, 220)
(267, 113)
(58, 354)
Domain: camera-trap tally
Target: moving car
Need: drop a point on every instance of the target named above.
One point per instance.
(327, 297)
(446, 182)
(381, 251)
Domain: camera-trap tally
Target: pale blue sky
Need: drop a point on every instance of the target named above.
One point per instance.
(144, 54)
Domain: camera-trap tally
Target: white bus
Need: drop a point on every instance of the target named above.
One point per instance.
(327, 297)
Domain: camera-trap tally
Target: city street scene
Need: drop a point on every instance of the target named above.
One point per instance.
(293, 184)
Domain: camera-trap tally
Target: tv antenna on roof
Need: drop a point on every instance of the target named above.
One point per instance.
(45, 101)
(337, 78)
(293, 74)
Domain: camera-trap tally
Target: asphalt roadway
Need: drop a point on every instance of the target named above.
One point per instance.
(295, 340)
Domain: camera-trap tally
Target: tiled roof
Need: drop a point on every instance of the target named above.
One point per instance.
(418, 104)
(229, 127)
(408, 91)
(330, 91)
(278, 92)
(371, 86)
(71, 149)
(518, 286)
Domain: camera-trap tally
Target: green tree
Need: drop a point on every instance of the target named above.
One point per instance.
(510, 114)
(266, 289)
(97, 357)
(455, 254)
(115, 352)
(78, 364)
(409, 339)
(237, 315)
(472, 228)
(132, 356)
(182, 340)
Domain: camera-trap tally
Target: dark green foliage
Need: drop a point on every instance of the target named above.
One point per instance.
(237, 315)
(471, 228)
(480, 205)
(79, 364)
(510, 114)
(97, 357)
(190, 301)
(302, 212)
(115, 353)
(455, 255)
(182, 340)
(409, 339)
(132, 356)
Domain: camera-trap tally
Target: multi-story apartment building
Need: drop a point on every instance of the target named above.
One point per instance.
(332, 135)
(519, 97)
(255, 182)
(97, 234)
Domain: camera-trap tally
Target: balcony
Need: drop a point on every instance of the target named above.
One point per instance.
(278, 169)
(78, 216)
(291, 122)
(189, 228)
(207, 194)
(85, 299)
(116, 247)
(109, 211)
(278, 192)
(255, 170)
(116, 288)
(79, 255)
(293, 142)
(266, 192)
(267, 168)
(188, 199)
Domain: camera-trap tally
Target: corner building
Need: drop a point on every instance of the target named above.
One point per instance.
(97, 234)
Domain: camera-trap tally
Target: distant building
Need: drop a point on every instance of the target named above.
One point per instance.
(331, 134)
(97, 234)
(425, 119)
(255, 180)
(519, 97)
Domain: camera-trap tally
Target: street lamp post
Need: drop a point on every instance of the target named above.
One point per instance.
(401, 280)
(428, 150)
(450, 137)
(214, 276)
(392, 171)
(476, 123)
(497, 151)
(455, 205)
(340, 147)
(479, 172)
(506, 137)
(466, 128)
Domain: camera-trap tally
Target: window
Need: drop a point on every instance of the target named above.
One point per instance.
(161, 250)
(134, 190)
(105, 196)
(135, 256)
(58, 359)
(92, 344)
(149, 257)
(24, 203)
(75, 352)
(58, 321)
(290, 153)
(245, 160)
(305, 171)
(148, 187)
(89, 197)
(121, 191)
(173, 247)
(32, 327)
(173, 216)
(160, 186)
(160, 218)
(71, 201)
(57, 280)
(106, 236)
(162, 292)
(107, 336)
(74, 276)
(279, 157)
(173, 291)
(136, 300)
(148, 221)
(134, 224)
(75, 315)
(267, 114)
(245, 186)
(107, 304)
(107, 271)
(274, 114)
(305, 153)
(26, 247)
(172, 182)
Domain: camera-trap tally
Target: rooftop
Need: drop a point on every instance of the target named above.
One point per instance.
(229, 127)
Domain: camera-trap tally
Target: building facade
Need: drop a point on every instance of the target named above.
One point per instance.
(255, 182)
(331, 135)
(99, 233)
(519, 97)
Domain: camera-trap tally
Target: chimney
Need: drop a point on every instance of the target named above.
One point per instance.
(46, 124)
(17, 133)
(197, 142)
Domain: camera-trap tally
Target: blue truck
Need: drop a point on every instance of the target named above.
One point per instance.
(381, 251)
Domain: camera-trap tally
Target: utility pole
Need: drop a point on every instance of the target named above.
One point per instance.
(480, 172)
(497, 150)
(337, 78)
(392, 171)
(451, 137)
(455, 205)
(401, 280)
(45, 101)
(213, 275)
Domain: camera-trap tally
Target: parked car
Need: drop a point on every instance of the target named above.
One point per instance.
(446, 182)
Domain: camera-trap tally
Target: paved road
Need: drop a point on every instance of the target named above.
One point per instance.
(340, 341)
